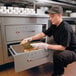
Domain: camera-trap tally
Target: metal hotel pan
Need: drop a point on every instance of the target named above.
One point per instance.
(26, 60)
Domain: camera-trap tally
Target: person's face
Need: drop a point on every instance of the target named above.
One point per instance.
(55, 18)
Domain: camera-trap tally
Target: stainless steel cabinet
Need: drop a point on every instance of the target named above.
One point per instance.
(13, 30)
(1, 50)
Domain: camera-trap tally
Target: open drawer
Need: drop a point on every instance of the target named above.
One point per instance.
(26, 60)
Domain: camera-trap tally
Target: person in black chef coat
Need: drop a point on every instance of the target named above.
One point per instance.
(64, 37)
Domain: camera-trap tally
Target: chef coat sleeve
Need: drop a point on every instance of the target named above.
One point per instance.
(49, 31)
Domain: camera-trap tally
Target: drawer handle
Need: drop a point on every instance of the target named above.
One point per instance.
(32, 31)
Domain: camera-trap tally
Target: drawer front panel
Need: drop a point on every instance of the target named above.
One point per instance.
(21, 63)
(19, 32)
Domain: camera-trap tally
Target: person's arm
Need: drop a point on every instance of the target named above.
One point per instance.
(38, 36)
(49, 46)
(35, 37)
(56, 47)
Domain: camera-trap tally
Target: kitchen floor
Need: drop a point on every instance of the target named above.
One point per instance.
(43, 70)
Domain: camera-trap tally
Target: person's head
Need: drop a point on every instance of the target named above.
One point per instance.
(55, 14)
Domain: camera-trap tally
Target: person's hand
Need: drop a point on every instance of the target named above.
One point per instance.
(26, 40)
(40, 45)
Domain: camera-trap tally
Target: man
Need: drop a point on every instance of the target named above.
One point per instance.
(64, 49)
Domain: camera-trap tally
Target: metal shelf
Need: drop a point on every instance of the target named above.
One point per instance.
(49, 3)
(39, 3)
(23, 15)
(69, 18)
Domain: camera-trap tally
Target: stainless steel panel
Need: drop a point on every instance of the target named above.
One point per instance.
(24, 20)
(16, 20)
(1, 50)
(18, 32)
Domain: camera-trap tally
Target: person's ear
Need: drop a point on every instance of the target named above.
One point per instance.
(60, 14)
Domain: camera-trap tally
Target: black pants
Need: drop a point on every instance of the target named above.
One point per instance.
(61, 59)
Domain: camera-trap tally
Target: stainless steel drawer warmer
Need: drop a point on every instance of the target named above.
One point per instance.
(25, 60)
(16, 28)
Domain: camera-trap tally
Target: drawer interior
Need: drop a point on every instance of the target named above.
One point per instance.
(18, 48)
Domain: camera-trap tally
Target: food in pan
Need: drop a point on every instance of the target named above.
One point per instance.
(28, 47)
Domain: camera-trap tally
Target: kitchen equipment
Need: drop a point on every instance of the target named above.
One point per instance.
(14, 28)
(25, 60)
(73, 14)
